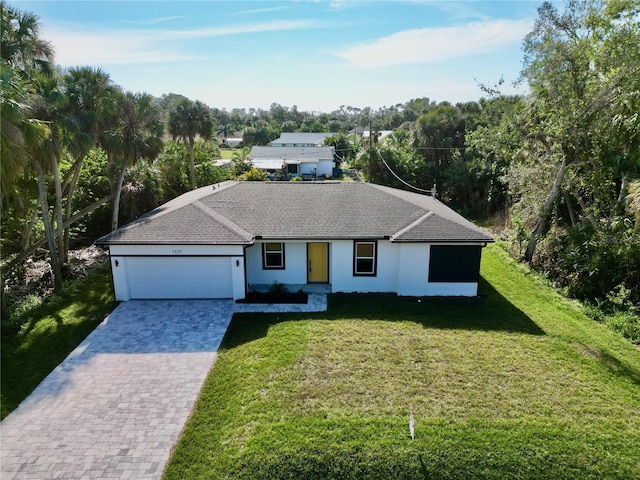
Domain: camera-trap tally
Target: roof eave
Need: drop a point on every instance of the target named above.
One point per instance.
(182, 242)
(443, 240)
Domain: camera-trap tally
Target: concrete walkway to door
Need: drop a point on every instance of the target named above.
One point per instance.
(115, 407)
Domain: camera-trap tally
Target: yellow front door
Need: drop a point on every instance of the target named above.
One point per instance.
(318, 268)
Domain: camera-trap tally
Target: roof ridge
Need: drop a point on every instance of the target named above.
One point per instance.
(430, 203)
(189, 197)
(177, 203)
(223, 220)
(482, 235)
(411, 226)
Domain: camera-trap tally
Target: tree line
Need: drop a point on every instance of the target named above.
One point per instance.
(555, 172)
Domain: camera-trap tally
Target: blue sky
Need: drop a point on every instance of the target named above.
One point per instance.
(317, 55)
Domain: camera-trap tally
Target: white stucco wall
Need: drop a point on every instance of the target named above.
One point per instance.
(325, 167)
(307, 168)
(237, 276)
(295, 260)
(322, 167)
(119, 275)
(413, 269)
(402, 268)
(341, 268)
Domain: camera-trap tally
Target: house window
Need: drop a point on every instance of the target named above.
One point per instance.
(292, 168)
(273, 256)
(364, 258)
(454, 263)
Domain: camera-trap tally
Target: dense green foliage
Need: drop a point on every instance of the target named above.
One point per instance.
(38, 336)
(517, 383)
(573, 150)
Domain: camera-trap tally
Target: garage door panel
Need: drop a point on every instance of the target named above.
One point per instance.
(179, 277)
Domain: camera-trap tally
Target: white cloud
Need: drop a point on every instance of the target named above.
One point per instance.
(133, 46)
(432, 44)
(110, 48)
(155, 21)
(275, 26)
(262, 10)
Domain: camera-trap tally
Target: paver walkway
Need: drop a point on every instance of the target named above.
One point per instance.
(115, 407)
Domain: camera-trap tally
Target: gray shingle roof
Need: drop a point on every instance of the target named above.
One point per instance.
(236, 213)
(302, 154)
(314, 138)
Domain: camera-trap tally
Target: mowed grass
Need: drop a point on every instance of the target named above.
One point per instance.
(515, 384)
(53, 330)
(226, 153)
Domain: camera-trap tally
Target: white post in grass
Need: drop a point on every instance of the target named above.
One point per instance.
(412, 424)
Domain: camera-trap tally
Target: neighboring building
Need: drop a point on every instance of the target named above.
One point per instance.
(300, 139)
(223, 240)
(231, 142)
(299, 161)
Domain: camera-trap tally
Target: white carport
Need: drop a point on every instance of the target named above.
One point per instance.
(268, 164)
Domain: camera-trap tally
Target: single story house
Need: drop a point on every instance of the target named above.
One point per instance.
(315, 161)
(231, 142)
(300, 139)
(224, 240)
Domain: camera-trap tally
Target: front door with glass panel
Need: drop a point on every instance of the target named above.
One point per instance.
(318, 262)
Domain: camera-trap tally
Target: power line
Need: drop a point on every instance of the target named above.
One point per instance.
(303, 154)
(429, 192)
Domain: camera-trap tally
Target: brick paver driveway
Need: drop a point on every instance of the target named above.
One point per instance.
(116, 406)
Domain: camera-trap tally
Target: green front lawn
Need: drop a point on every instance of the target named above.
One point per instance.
(51, 332)
(515, 384)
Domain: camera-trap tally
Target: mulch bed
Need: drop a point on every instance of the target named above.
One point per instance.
(266, 297)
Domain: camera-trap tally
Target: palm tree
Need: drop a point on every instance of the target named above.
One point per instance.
(22, 56)
(225, 130)
(21, 46)
(240, 161)
(22, 51)
(91, 100)
(137, 134)
(51, 105)
(19, 132)
(186, 121)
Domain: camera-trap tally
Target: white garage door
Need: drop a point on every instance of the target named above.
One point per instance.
(179, 277)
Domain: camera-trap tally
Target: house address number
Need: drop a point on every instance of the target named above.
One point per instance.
(176, 252)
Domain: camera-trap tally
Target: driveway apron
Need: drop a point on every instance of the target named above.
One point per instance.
(115, 407)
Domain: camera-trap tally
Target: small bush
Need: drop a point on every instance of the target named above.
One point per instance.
(20, 313)
(277, 288)
(254, 175)
(626, 324)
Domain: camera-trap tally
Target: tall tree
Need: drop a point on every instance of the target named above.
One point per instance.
(572, 94)
(22, 48)
(20, 133)
(51, 105)
(23, 54)
(137, 134)
(91, 101)
(187, 121)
